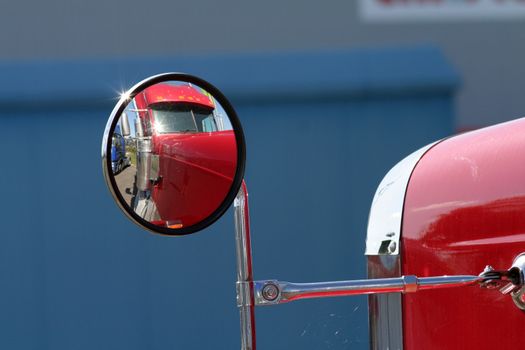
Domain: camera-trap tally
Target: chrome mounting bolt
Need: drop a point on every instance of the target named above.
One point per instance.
(270, 292)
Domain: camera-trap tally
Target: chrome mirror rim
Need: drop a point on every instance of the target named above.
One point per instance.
(239, 138)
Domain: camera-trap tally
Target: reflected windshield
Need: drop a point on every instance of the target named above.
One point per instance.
(173, 118)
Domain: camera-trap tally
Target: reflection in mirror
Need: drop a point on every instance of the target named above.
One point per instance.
(173, 154)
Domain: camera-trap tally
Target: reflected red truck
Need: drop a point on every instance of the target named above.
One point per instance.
(193, 149)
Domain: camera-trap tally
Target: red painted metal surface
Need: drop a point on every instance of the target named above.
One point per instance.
(197, 171)
(196, 168)
(464, 209)
(162, 93)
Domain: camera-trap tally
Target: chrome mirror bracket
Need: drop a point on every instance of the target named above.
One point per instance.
(271, 292)
(511, 281)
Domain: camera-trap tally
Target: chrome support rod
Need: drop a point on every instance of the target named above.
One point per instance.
(277, 292)
(245, 295)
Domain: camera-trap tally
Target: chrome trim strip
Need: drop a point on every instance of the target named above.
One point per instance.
(386, 213)
(385, 312)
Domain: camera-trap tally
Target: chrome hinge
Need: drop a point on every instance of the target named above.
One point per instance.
(243, 294)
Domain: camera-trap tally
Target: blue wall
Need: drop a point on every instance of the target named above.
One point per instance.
(321, 128)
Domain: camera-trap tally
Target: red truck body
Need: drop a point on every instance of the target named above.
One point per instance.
(464, 209)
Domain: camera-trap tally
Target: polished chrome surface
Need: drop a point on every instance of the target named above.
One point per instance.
(519, 298)
(385, 312)
(518, 294)
(405, 284)
(244, 270)
(126, 130)
(426, 283)
(519, 265)
(144, 149)
(244, 294)
(384, 222)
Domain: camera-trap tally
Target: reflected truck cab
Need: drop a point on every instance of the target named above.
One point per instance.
(182, 134)
(119, 160)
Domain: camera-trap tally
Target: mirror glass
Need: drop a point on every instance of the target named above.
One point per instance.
(173, 155)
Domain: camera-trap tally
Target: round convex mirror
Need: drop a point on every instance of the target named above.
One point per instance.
(173, 154)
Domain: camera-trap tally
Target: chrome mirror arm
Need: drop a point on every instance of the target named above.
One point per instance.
(271, 292)
(245, 295)
(511, 281)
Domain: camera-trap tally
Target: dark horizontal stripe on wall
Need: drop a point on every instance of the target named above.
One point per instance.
(274, 77)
